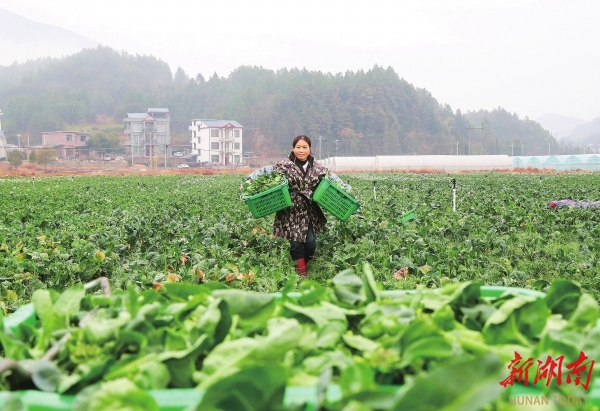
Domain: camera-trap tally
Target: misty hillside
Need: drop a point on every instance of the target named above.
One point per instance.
(367, 112)
(558, 124)
(23, 39)
(583, 133)
(572, 130)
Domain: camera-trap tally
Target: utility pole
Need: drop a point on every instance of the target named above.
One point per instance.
(456, 147)
(476, 128)
(512, 150)
(320, 138)
(469, 133)
(522, 148)
(482, 136)
(336, 147)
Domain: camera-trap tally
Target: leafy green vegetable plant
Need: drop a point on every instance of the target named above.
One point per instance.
(262, 183)
(59, 231)
(350, 335)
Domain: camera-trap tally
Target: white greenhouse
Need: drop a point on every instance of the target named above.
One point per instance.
(449, 163)
(341, 164)
(588, 162)
(443, 163)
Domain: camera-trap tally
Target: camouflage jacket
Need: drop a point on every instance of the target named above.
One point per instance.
(292, 222)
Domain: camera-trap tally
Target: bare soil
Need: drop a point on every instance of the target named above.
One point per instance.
(66, 169)
(121, 169)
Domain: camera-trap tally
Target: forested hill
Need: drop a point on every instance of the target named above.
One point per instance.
(368, 113)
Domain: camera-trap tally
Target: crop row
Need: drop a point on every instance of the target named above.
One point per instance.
(55, 232)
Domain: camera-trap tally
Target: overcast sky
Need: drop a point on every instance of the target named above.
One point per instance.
(529, 56)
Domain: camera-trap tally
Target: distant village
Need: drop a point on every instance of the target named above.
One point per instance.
(146, 139)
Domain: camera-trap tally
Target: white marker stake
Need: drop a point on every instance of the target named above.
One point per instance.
(454, 195)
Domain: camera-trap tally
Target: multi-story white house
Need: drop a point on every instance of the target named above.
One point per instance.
(149, 133)
(217, 141)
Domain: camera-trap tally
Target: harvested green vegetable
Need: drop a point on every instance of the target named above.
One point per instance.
(337, 185)
(350, 335)
(262, 183)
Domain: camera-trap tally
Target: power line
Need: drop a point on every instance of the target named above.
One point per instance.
(476, 128)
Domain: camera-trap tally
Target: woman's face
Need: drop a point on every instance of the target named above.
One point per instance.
(301, 150)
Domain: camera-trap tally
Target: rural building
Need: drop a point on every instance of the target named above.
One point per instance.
(3, 153)
(6, 148)
(148, 133)
(217, 141)
(66, 143)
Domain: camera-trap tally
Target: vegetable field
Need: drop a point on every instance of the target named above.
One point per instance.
(55, 232)
(179, 252)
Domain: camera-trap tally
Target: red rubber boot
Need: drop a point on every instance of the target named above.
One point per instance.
(301, 267)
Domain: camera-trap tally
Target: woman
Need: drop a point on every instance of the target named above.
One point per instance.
(300, 222)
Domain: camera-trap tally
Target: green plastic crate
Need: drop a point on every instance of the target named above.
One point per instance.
(177, 399)
(269, 202)
(339, 203)
(487, 291)
(167, 400)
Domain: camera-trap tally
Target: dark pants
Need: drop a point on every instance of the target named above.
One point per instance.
(306, 249)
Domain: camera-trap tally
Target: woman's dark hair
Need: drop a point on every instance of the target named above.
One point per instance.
(302, 137)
